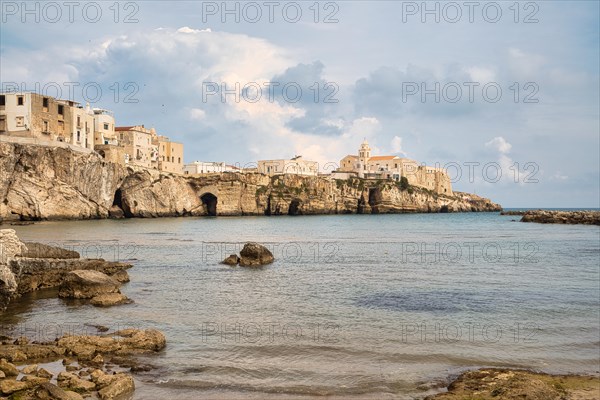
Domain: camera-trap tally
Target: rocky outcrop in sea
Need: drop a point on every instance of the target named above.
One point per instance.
(40, 183)
(28, 267)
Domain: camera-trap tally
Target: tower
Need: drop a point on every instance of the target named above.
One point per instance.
(364, 153)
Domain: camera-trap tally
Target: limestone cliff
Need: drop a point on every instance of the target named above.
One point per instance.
(39, 182)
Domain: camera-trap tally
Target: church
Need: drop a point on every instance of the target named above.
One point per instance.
(366, 166)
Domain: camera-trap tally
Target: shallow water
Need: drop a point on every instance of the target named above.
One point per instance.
(369, 306)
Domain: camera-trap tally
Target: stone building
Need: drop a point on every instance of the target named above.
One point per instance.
(170, 155)
(393, 167)
(295, 166)
(45, 120)
(208, 167)
(137, 142)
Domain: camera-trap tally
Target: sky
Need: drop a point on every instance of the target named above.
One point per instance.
(505, 95)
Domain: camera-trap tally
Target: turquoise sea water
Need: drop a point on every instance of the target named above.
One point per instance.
(364, 306)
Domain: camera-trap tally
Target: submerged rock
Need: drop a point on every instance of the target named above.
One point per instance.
(254, 255)
(109, 299)
(86, 284)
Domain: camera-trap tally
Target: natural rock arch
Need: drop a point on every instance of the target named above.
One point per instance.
(210, 201)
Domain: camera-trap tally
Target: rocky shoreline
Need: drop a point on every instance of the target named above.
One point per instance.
(557, 217)
(512, 384)
(92, 365)
(46, 183)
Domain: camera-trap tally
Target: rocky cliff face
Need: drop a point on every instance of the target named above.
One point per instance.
(53, 183)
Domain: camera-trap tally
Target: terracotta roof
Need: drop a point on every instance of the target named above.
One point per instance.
(123, 128)
(382, 158)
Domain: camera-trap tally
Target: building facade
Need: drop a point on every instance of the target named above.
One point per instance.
(137, 142)
(170, 155)
(295, 166)
(208, 167)
(46, 119)
(393, 167)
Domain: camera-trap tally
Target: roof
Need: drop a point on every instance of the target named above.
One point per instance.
(351, 156)
(123, 128)
(382, 158)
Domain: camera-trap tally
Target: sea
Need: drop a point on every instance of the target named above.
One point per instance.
(354, 306)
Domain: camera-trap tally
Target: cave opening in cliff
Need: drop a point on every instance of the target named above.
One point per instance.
(118, 199)
(375, 198)
(294, 208)
(210, 201)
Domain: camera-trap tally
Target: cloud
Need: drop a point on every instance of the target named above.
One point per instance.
(197, 114)
(397, 145)
(500, 144)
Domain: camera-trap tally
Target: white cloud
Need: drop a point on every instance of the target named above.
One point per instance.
(397, 145)
(197, 114)
(500, 144)
(481, 74)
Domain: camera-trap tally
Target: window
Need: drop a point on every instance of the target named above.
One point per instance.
(105, 127)
(179, 160)
(20, 121)
(79, 136)
(46, 130)
(2, 123)
(2, 100)
(20, 100)
(45, 103)
(78, 121)
(172, 159)
(61, 109)
(61, 126)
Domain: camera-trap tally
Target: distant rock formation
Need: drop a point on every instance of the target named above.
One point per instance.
(562, 217)
(38, 183)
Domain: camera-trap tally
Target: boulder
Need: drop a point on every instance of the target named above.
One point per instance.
(86, 284)
(116, 212)
(123, 342)
(120, 384)
(254, 255)
(10, 386)
(121, 276)
(233, 259)
(109, 299)
(30, 369)
(39, 250)
(43, 373)
(48, 391)
(10, 247)
(8, 368)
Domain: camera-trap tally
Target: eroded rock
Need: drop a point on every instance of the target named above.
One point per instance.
(109, 299)
(86, 284)
(254, 255)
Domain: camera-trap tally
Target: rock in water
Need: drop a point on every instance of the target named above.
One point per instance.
(39, 250)
(86, 284)
(254, 255)
(10, 247)
(109, 299)
(233, 259)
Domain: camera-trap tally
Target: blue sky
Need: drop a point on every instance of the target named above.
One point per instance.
(373, 58)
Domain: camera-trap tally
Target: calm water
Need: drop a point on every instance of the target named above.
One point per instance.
(358, 306)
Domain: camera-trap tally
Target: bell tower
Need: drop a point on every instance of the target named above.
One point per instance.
(364, 153)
